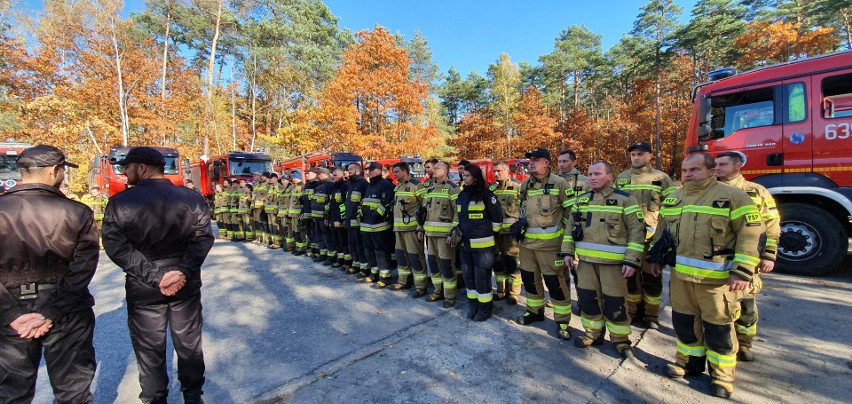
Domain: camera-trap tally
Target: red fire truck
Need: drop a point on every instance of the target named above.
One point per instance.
(9, 174)
(311, 160)
(207, 172)
(793, 124)
(108, 176)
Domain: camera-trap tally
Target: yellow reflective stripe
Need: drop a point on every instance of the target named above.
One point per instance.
(592, 324)
(653, 300)
(561, 309)
(771, 215)
(405, 193)
(437, 195)
(747, 330)
(535, 303)
(771, 243)
(543, 235)
(632, 209)
(374, 228)
(744, 210)
(506, 192)
(495, 227)
(637, 187)
(703, 273)
(483, 242)
(568, 239)
(601, 208)
(603, 251)
(721, 360)
(746, 259)
(472, 294)
(475, 215)
(617, 328)
(691, 350)
(437, 227)
(635, 247)
(485, 297)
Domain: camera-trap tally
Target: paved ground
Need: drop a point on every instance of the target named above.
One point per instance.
(281, 329)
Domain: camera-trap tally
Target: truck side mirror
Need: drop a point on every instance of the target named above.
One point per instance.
(216, 172)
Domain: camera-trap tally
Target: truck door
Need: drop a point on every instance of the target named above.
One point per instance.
(832, 126)
(798, 137)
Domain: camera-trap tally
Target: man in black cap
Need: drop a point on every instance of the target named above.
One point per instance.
(49, 256)
(377, 226)
(160, 234)
(650, 187)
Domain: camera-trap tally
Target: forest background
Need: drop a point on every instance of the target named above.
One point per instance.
(81, 76)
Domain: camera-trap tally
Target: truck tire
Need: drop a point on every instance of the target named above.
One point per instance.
(812, 242)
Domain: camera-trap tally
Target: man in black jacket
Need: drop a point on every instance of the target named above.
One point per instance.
(49, 256)
(160, 234)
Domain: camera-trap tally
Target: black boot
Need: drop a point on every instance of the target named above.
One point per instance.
(530, 317)
(472, 308)
(484, 312)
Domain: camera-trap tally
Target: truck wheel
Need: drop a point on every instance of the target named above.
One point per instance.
(812, 242)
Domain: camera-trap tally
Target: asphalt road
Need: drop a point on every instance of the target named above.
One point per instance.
(279, 328)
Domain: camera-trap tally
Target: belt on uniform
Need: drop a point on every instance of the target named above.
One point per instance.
(167, 262)
(30, 290)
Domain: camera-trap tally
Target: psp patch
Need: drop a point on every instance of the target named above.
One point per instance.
(752, 217)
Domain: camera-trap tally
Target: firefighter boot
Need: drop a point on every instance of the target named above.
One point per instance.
(472, 307)
(530, 317)
(484, 312)
(584, 341)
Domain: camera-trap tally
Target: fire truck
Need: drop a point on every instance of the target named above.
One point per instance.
(792, 123)
(105, 174)
(312, 160)
(207, 172)
(415, 167)
(9, 174)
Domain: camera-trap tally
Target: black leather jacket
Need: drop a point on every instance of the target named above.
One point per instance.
(156, 227)
(47, 238)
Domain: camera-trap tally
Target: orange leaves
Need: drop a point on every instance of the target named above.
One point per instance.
(533, 126)
(767, 43)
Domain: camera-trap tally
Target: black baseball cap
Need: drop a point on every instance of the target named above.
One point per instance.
(644, 146)
(374, 166)
(43, 156)
(539, 154)
(143, 155)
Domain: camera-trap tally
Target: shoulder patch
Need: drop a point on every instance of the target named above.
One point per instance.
(721, 204)
(493, 187)
(657, 182)
(611, 202)
(493, 200)
(670, 201)
(623, 181)
(620, 192)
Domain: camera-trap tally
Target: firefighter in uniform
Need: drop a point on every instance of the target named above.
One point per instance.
(258, 220)
(478, 218)
(440, 205)
(319, 200)
(507, 270)
(355, 191)
(308, 190)
(270, 210)
(244, 209)
(294, 216)
(220, 209)
(577, 183)
(96, 201)
(409, 196)
(544, 214)
(608, 236)
(336, 210)
(650, 187)
(66, 190)
(377, 227)
(238, 229)
(716, 231)
(728, 166)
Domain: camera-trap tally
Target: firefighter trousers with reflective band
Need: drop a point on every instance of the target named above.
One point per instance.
(546, 264)
(379, 246)
(340, 240)
(356, 248)
(506, 269)
(410, 259)
(600, 290)
(296, 235)
(703, 319)
(746, 324)
(237, 224)
(148, 319)
(248, 225)
(69, 354)
(644, 293)
(323, 235)
(476, 268)
(440, 259)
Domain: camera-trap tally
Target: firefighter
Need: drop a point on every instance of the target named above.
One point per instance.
(506, 269)
(650, 187)
(288, 243)
(440, 205)
(728, 171)
(577, 183)
(429, 168)
(355, 191)
(306, 218)
(244, 209)
(66, 190)
(96, 201)
(716, 229)
(409, 194)
(237, 231)
(270, 211)
(258, 219)
(220, 209)
(336, 210)
(609, 241)
(294, 216)
(479, 217)
(544, 212)
(377, 227)
(319, 215)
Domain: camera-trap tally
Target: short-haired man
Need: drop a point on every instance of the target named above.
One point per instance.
(440, 205)
(160, 234)
(409, 196)
(728, 170)
(48, 258)
(507, 268)
(96, 201)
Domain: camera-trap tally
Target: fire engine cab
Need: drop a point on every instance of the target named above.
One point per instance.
(207, 172)
(109, 176)
(9, 174)
(793, 124)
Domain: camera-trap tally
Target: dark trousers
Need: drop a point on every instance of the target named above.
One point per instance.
(356, 245)
(148, 317)
(379, 248)
(340, 241)
(476, 269)
(69, 354)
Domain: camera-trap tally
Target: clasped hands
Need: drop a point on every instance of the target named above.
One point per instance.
(172, 282)
(31, 325)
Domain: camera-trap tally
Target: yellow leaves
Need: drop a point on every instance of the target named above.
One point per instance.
(767, 42)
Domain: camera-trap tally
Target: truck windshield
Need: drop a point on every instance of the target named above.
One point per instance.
(9, 168)
(172, 165)
(418, 170)
(241, 167)
(344, 164)
(741, 110)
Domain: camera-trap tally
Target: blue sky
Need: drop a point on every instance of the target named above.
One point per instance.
(470, 35)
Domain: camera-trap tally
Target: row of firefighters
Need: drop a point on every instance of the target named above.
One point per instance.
(611, 233)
